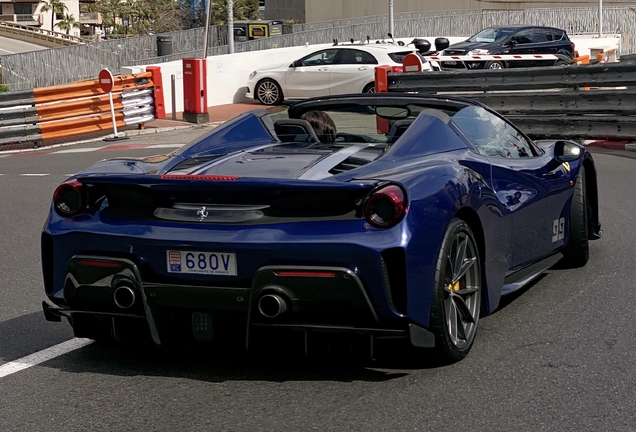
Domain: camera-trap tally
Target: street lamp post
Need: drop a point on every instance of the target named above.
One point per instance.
(600, 18)
(391, 23)
(206, 29)
(230, 25)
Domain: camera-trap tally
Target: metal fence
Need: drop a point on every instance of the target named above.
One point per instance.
(70, 64)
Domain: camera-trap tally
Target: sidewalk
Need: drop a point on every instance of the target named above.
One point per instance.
(218, 114)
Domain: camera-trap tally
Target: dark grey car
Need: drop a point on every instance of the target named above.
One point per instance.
(513, 39)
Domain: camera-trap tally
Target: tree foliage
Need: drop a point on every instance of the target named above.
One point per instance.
(55, 7)
(67, 23)
(159, 16)
(243, 10)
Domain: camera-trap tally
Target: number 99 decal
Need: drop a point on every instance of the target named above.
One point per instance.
(558, 229)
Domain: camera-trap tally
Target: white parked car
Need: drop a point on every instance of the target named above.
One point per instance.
(340, 69)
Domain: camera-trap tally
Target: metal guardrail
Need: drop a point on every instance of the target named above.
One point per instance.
(548, 77)
(577, 102)
(74, 109)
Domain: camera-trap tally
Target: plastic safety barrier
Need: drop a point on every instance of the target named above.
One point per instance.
(61, 111)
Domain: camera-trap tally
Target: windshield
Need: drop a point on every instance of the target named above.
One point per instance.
(491, 35)
(374, 125)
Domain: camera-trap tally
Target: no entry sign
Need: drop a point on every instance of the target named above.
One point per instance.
(106, 80)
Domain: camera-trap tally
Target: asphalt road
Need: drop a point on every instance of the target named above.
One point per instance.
(559, 356)
(14, 46)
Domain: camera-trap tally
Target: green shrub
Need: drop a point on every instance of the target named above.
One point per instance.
(4, 88)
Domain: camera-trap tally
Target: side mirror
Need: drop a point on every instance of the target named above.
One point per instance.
(567, 151)
(512, 43)
(296, 63)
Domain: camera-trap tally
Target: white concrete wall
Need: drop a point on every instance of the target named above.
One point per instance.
(584, 44)
(227, 75)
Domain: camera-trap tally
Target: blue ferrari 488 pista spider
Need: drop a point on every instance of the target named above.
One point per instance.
(383, 215)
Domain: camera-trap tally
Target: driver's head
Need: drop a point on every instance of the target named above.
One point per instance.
(323, 125)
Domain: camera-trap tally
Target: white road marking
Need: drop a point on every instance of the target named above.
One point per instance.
(158, 146)
(42, 356)
(35, 175)
(79, 150)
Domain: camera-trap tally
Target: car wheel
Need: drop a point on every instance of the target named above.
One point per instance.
(457, 293)
(369, 88)
(268, 92)
(561, 63)
(576, 252)
(494, 65)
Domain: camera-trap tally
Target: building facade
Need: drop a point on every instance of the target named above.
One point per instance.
(325, 10)
(29, 13)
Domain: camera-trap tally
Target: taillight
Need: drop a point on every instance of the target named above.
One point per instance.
(397, 69)
(70, 198)
(385, 207)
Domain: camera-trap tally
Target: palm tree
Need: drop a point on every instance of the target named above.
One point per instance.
(55, 6)
(111, 10)
(67, 23)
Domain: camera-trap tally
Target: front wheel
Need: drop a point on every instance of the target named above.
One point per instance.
(268, 92)
(577, 252)
(457, 293)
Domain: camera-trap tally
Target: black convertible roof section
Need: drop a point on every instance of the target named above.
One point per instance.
(442, 102)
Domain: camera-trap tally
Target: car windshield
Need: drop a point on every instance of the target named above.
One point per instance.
(369, 124)
(491, 35)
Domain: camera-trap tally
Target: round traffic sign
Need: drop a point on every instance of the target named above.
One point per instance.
(412, 63)
(106, 80)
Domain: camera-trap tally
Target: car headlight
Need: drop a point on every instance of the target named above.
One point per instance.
(253, 74)
(478, 52)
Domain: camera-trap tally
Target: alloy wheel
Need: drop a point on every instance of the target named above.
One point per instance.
(268, 92)
(462, 290)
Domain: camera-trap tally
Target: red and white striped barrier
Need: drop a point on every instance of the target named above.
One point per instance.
(505, 57)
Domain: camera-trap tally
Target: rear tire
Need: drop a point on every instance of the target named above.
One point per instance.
(576, 253)
(268, 92)
(369, 88)
(457, 294)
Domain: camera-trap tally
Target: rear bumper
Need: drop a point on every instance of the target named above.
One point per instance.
(299, 298)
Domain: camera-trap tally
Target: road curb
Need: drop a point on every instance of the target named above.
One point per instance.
(614, 145)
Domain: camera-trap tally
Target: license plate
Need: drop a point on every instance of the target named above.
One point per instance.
(212, 263)
(451, 63)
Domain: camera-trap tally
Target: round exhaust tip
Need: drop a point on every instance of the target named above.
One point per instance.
(124, 297)
(272, 305)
